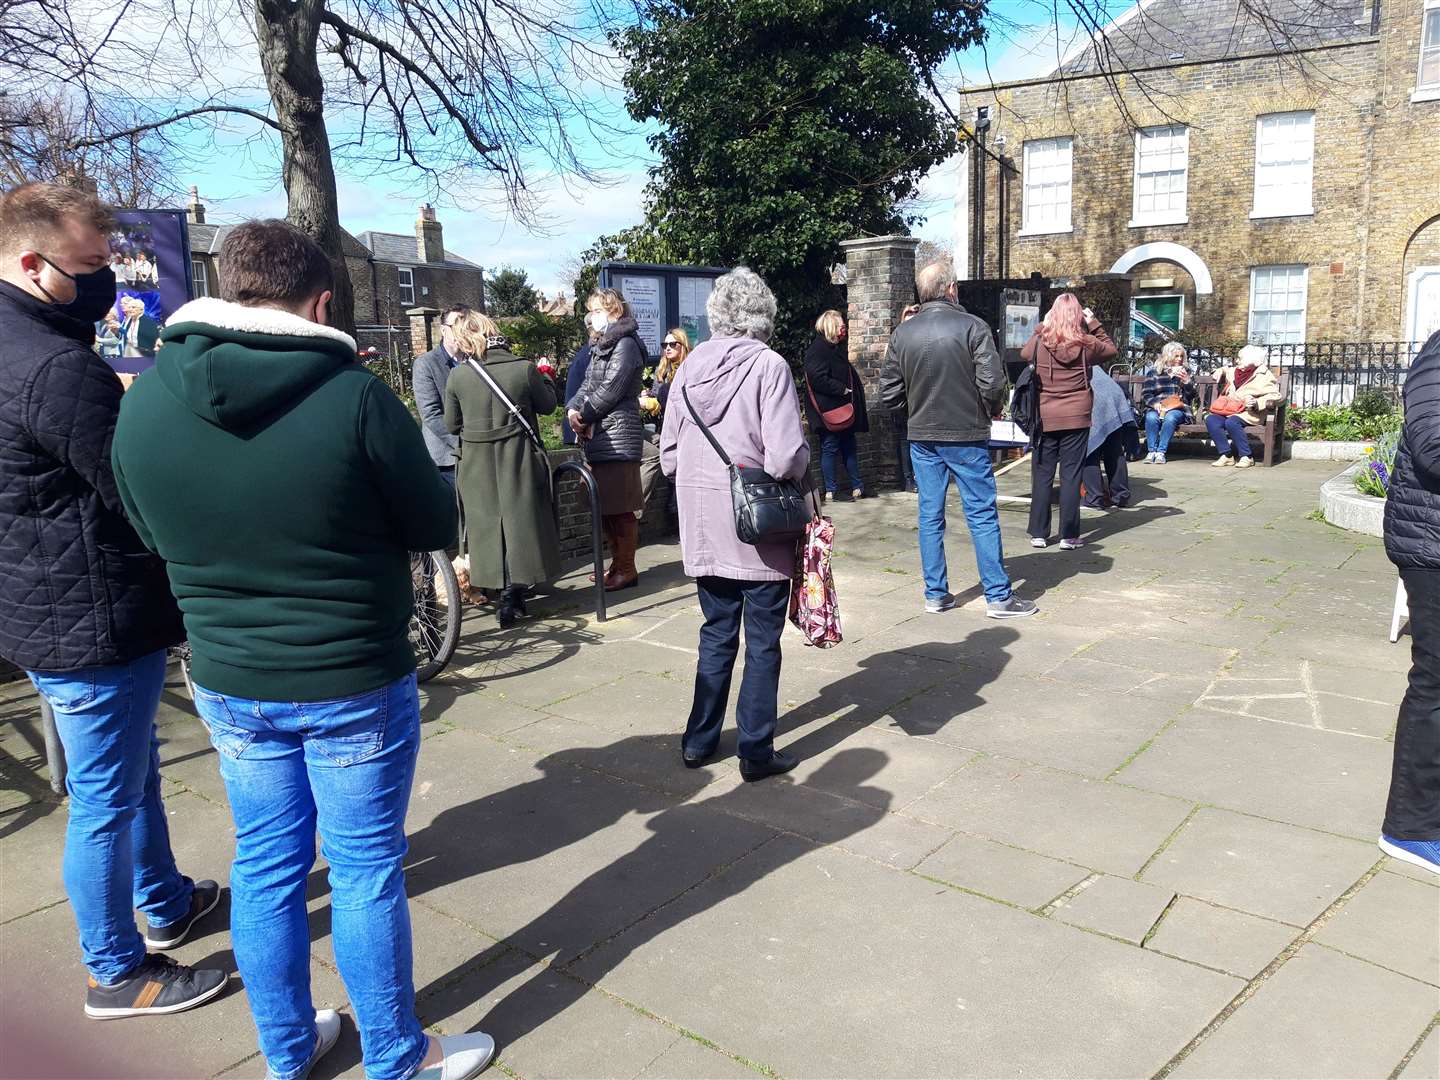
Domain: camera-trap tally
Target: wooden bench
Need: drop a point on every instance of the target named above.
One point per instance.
(1270, 433)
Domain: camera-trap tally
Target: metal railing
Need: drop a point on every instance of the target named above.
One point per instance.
(588, 479)
(1321, 372)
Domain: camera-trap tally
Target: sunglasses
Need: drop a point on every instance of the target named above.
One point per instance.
(670, 344)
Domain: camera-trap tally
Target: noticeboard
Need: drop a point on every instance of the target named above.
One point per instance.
(662, 297)
(150, 254)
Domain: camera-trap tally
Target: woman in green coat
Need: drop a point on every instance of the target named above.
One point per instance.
(504, 478)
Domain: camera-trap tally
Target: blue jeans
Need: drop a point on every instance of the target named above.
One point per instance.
(346, 767)
(1158, 436)
(969, 463)
(117, 842)
(762, 605)
(1228, 433)
(842, 445)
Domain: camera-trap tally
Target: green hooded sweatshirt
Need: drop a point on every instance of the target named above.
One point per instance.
(284, 486)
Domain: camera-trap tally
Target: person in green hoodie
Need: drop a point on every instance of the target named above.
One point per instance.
(284, 486)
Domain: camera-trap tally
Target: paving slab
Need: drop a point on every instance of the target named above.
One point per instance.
(1321, 1015)
(1263, 867)
(1219, 937)
(1425, 1065)
(933, 994)
(1161, 655)
(1116, 906)
(1094, 824)
(688, 1059)
(1325, 780)
(1038, 720)
(1393, 922)
(1005, 873)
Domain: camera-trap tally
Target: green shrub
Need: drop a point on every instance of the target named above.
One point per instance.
(1372, 404)
(1341, 423)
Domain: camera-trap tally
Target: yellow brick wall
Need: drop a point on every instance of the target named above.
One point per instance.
(1377, 159)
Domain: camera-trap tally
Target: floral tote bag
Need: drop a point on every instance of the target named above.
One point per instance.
(814, 608)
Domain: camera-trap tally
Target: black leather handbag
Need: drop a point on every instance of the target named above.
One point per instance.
(767, 511)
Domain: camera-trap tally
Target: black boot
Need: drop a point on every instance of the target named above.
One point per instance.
(512, 605)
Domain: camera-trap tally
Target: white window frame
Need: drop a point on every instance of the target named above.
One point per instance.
(405, 282)
(200, 276)
(1426, 91)
(1250, 332)
(1166, 217)
(1029, 227)
(1289, 207)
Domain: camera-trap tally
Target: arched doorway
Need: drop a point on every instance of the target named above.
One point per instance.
(1170, 279)
(1422, 282)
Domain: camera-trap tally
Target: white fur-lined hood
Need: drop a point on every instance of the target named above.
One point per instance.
(254, 320)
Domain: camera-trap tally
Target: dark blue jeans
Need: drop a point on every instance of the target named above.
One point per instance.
(762, 605)
(1228, 432)
(841, 444)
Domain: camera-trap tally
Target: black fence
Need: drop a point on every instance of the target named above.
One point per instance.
(1321, 373)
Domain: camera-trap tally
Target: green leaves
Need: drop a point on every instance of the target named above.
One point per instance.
(788, 127)
(510, 293)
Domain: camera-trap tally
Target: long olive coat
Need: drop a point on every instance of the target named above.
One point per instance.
(504, 478)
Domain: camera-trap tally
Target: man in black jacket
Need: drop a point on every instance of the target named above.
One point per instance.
(86, 610)
(1411, 830)
(943, 367)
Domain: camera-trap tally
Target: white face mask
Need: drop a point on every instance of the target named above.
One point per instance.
(599, 320)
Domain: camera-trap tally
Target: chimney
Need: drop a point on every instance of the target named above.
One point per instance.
(429, 236)
(195, 209)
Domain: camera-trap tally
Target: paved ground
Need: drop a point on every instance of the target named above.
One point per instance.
(1129, 837)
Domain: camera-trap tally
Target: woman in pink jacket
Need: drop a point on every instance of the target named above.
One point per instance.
(744, 393)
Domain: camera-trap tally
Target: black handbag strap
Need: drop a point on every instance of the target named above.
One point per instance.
(704, 428)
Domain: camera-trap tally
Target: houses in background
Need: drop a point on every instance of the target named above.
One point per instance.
(391, 275)
(1250, 191)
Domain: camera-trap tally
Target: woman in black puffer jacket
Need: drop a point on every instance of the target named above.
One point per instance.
(605, 414)
(1411, 830)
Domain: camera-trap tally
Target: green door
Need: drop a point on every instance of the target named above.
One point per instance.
(1166, 310)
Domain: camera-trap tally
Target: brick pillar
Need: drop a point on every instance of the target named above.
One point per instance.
(422, 337)
(880, 281)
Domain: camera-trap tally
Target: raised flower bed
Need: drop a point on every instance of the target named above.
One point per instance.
(1355, 499)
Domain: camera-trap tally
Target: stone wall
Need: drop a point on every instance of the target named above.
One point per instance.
(1373, 177)
(880, 282)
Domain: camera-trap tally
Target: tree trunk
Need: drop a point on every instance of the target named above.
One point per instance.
(287, 32)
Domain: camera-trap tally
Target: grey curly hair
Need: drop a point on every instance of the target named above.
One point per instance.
(741, 305)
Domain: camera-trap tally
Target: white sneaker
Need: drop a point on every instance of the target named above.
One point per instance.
(463, 1056)
(327, 1034)
(1038, 541)
(1071, 545)
(1222, 462)
(1245, 462)
(1159, 459)
(940, 604)
(1151, 458)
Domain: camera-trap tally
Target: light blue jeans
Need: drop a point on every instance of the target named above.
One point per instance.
(1158, 433)
(346, 767)
(117, 842)
(969, 463)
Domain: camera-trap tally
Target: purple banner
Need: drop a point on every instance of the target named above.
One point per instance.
(150, 254)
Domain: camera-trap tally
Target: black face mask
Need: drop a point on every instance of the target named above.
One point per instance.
(94, 293)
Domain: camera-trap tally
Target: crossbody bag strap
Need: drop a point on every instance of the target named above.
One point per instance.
(514, 411)
(704, 430)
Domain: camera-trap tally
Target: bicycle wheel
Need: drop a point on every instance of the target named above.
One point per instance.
(435, 621)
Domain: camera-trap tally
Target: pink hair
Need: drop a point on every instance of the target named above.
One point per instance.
(1065, 323)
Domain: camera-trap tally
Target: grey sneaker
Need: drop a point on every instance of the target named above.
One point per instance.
(943, 603)
(1012, 608)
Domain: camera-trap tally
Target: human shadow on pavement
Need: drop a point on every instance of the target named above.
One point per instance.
(533, 819)
(571, 937)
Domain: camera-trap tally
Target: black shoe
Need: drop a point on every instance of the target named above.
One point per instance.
(693, 760)
(157, 987)
(202, 902)
(780, 762)
(512, 606)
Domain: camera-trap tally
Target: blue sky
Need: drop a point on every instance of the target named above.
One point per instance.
(238, 175)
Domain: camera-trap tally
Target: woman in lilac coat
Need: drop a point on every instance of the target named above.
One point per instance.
(744, 392)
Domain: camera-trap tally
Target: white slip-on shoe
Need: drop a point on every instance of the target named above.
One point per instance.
(1038, 541)
(462, 1056)
(327, 1034)
(1245, 462)
(1222, 462)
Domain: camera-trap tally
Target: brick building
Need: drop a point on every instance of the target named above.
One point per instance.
(391, 274)
(1250, 193)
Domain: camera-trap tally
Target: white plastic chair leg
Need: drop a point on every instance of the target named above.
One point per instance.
(1402, 610)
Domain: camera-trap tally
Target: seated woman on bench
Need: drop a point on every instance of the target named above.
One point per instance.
(1168, 392)
(1253, 390)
